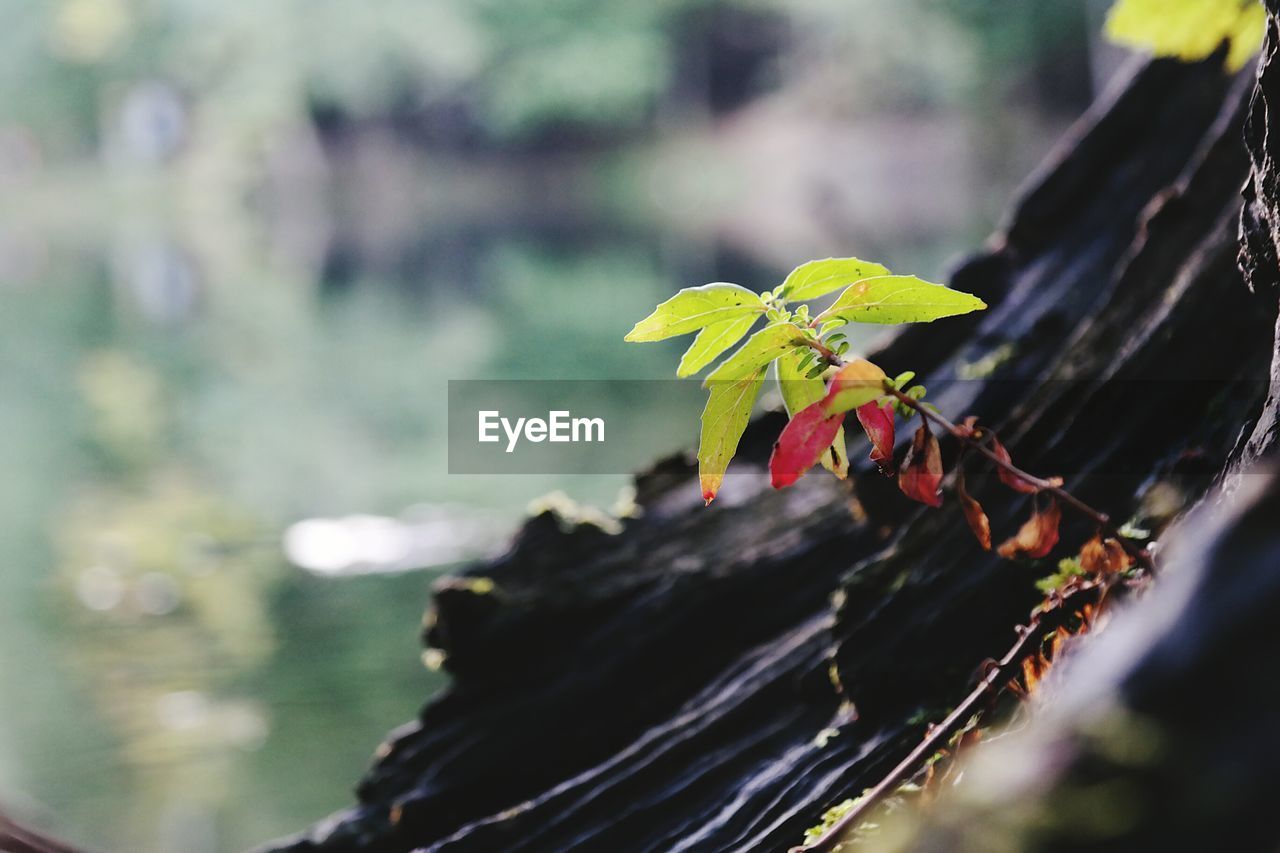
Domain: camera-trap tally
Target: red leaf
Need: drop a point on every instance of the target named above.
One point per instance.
(805, 438)
(1037, 536)
(921, 473)
(1011, 480)
(973, 512)
(877, 423)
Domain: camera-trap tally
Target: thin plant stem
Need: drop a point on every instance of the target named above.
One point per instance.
(1043, 622)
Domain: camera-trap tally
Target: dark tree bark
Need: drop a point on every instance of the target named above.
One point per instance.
(674, 686)
(1161, 733)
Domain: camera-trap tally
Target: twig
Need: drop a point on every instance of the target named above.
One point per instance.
(1140, 554)
(1043, 622)
(1028, 635)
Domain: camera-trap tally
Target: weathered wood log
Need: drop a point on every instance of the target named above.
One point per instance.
(715, 679)
(1159, 734)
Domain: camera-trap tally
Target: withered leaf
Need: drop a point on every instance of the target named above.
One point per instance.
(877, 422)
(1104, 556)
(1037, 536)
(1013, 481)
(973, 512)
(921, 473)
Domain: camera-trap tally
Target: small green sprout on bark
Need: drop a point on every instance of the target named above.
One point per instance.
(821, 383)
(817, 386)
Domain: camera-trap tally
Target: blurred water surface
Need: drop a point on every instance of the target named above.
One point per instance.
(243, 248)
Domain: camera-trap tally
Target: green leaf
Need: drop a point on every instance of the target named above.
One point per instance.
(818, 278)
(723, 421)
(900, 299)
(1190, 30)
(694, 308)
(759, 351)
(712, 341)
(798, 391)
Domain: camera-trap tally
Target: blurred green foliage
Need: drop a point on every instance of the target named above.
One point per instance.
(518, 66)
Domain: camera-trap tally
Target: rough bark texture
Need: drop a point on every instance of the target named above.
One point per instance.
(1160, 734)
(664, 688)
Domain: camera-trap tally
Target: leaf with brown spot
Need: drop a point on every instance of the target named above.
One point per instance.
(921, 473)
(973, 512)
(1037, 536)
(836, 458)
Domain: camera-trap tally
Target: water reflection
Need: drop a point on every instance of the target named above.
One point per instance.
(424, 535)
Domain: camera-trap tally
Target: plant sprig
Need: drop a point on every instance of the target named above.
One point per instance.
(819, 386)
(723, 314)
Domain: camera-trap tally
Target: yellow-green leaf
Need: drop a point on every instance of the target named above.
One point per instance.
(818, 278)
(899, 299)
(694, 308)
(758, 352)
(798, 391)
(712, 341)
(836, 460)
(1190, 29)
(723, 421)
